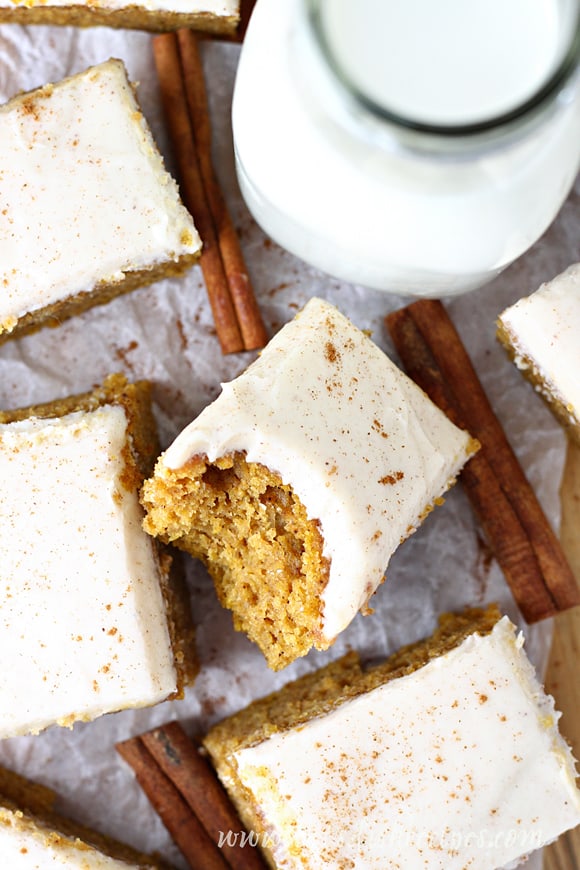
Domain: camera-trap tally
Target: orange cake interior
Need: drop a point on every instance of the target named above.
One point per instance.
(252, 532)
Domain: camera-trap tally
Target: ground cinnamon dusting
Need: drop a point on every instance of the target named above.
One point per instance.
(331, 353)
(392, 478)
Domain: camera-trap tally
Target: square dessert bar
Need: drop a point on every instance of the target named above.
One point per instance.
(541, 333)
(88, 209)
(91, 622)
(299, 482)
(211, 16)
(446, 756)
(34, 837)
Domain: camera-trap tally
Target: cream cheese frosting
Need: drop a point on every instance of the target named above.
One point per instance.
(84, 626)
(25, 845)
(544, 332)
(458, 764)
(360, 444)
(85, 194)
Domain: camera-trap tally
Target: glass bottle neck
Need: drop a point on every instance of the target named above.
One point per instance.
(467, 73)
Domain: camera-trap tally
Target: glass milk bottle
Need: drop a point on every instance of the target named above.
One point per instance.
(408, 145)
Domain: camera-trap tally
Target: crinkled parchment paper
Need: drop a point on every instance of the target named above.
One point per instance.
(165, 333)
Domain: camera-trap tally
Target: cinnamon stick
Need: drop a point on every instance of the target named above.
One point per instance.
(248, 313)
(191, 773)
(165, 49)
(518, 532)
(249, 317)
(186, 830)
(246, 9)
(184, 789)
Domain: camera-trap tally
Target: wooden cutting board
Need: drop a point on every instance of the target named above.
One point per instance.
(563, 675)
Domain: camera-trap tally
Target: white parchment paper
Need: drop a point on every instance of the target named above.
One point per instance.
(165, 333)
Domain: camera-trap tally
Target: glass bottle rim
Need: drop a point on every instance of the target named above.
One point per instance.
(528, 108)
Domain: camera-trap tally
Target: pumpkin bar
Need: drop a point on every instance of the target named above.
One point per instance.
(298, 483)
(541, 333)
(34, 837)
(210, 16)
(88, 209)
(92, 621)
(445, 756)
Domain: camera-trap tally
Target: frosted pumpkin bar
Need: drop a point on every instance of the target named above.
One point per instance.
(34, 837)
(91, 622)
(88, 210)
(298, 483)
(541, 332)
(446, 756)
(212, 16)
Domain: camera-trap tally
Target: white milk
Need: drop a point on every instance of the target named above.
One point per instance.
(366, 200)
(445, 61)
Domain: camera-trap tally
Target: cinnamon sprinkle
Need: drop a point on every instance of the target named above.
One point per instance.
(517, 530)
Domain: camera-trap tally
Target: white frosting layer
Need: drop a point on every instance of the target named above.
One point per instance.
(85, 197)
(544, 328)
(26, 846)
(84, 628)
(456, 765)
(361, 445)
